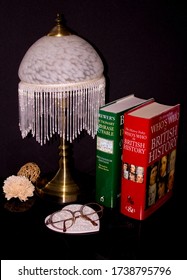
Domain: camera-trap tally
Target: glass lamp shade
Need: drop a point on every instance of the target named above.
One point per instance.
(61, 88)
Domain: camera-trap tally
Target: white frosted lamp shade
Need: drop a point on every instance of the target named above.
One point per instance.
(60, 60)
(61, 88)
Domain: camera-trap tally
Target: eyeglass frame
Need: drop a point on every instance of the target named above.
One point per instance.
(73, 218)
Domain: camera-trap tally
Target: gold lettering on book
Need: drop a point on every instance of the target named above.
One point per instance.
(166, 140)
(163, 143)
(106, 128)
(134, 146)
(162, 149)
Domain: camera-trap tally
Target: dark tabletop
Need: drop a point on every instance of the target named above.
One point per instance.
(25, 236)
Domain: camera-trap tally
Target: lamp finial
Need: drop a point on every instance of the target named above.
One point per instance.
(59, 30)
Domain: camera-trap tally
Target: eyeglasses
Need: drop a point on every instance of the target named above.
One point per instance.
(66, 218)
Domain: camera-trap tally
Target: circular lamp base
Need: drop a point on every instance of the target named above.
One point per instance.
(59, 189)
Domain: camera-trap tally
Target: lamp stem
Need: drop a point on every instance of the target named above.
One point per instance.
(62, 188)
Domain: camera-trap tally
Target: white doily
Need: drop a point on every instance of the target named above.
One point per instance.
(81, 225)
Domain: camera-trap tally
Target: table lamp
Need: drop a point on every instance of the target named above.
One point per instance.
(61, 89)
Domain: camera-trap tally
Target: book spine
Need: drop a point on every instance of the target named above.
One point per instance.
(108, 158)
(146, 145)
(134, 160)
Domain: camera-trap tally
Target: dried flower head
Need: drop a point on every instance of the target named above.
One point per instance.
(18, 187)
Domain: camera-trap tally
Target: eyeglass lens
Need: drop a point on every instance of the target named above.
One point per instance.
(62, 220)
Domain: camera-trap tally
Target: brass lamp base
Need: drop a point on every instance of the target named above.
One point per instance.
(62, 188)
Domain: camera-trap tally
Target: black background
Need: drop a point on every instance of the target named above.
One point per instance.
(143, 48)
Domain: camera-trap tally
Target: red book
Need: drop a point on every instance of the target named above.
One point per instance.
(148, 156)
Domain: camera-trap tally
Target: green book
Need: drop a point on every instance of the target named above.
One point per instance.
(109, 143)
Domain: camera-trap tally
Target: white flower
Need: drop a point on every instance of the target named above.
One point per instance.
(18, 187)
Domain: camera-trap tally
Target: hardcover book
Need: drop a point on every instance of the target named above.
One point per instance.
(109, 149)
(149, 155)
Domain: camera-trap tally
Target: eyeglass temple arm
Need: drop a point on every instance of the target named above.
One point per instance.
(89, 219)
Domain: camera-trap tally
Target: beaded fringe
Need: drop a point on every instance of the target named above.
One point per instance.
(63, 109)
